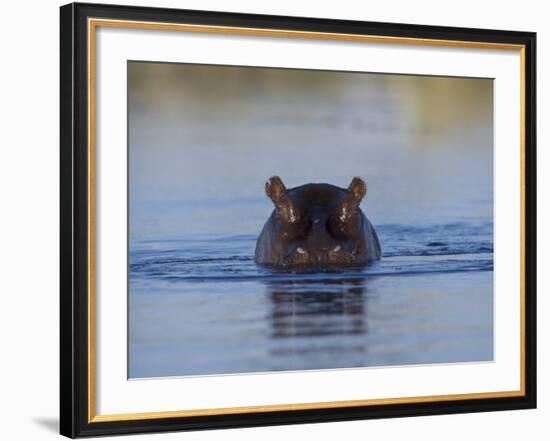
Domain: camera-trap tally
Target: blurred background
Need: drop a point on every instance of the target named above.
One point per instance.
(205, 136)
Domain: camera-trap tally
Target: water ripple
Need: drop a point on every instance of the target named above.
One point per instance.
(407, 249)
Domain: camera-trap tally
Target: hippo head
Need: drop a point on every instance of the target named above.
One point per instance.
(317, 225)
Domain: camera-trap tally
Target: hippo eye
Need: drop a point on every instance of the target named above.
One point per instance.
(297, 230)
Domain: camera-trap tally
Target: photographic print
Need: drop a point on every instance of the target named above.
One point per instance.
(278, 220)
(292, 219)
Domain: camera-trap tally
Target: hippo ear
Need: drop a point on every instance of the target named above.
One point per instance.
(342, 220)
(275, 189)
(354, 195)
(357, 190)
(285, 207)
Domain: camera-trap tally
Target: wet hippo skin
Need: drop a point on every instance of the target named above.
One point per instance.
(317, 225)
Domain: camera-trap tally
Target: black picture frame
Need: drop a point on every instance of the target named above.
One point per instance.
(75, 420)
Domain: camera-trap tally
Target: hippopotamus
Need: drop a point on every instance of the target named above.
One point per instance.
(317, 225)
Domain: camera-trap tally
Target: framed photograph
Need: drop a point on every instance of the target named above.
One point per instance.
(273, 220)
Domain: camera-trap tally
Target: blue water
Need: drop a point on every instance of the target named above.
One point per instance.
(200, 305)
(202, 142)
(407, 250)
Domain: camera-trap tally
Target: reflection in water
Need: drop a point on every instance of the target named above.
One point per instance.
(301, 310)
(316, 317)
